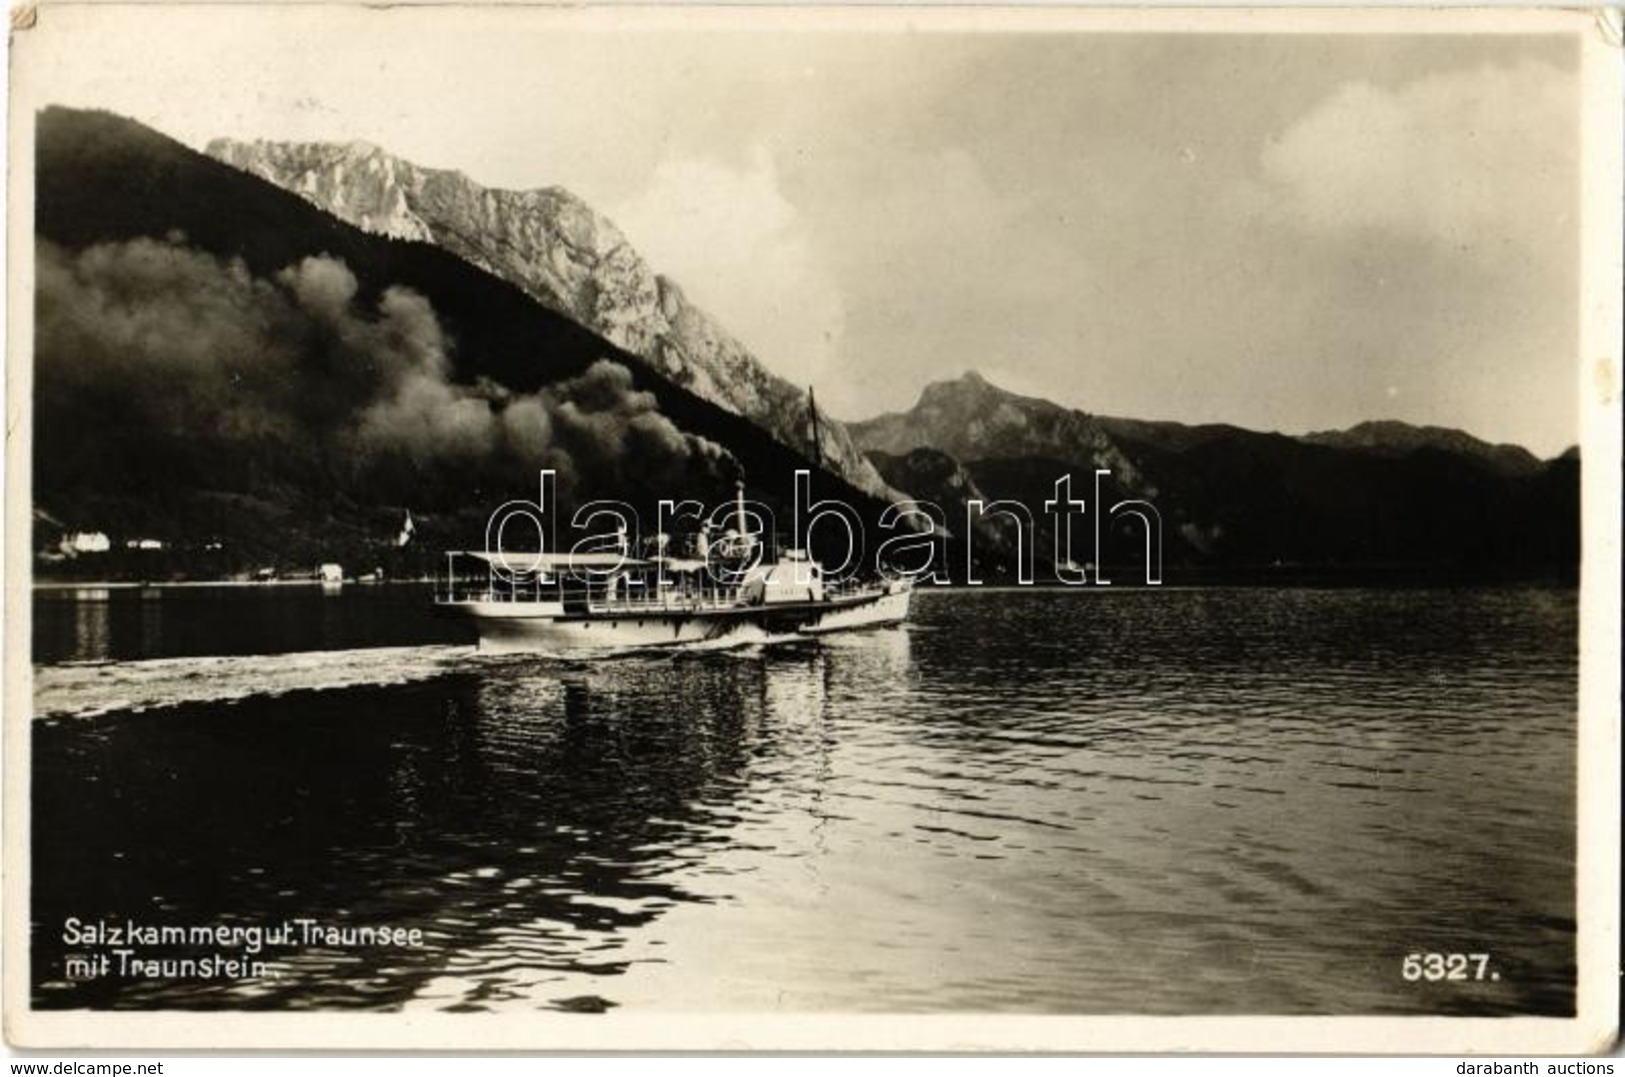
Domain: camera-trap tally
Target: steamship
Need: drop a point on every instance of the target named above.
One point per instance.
(726, 594)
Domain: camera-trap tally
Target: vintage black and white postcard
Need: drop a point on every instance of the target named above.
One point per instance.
(835, 528)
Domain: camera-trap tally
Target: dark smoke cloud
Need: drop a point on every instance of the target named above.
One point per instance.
(193, 346)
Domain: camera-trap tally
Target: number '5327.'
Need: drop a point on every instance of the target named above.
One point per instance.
(1434, 967)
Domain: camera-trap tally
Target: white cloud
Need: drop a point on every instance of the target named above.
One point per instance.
(742, 252)
(1466, 158)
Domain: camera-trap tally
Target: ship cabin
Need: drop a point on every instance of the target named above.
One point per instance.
(585, 583)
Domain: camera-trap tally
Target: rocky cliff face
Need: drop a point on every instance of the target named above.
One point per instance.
(568, 257)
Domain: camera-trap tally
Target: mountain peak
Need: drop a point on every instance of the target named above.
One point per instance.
(360, 147)
(971, 390)
(972, 419)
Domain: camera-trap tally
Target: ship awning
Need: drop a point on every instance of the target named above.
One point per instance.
(518, 562)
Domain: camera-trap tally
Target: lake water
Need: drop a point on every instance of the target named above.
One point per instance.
(1081, 801)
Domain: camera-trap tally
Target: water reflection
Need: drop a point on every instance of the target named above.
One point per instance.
(78, 624)
(531, 818)
(152, 619)
(92, 628)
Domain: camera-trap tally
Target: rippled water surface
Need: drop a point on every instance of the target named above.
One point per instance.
(1154, 801)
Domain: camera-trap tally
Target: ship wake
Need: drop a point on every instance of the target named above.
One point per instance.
(85, 689)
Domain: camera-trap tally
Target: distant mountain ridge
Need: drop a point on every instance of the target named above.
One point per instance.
(1381, 494)
(562, 252)
(970, 417)
(1390, 437)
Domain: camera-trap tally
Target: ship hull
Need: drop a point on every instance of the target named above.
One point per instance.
(885, 609)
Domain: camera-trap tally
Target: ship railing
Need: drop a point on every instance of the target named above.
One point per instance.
(596, 599)
(666, 601)
(458, 595)
(482, 590)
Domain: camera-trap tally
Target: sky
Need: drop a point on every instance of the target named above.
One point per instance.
(1287, 232)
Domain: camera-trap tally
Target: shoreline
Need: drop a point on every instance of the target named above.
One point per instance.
(1404, 581)
(131, 585)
